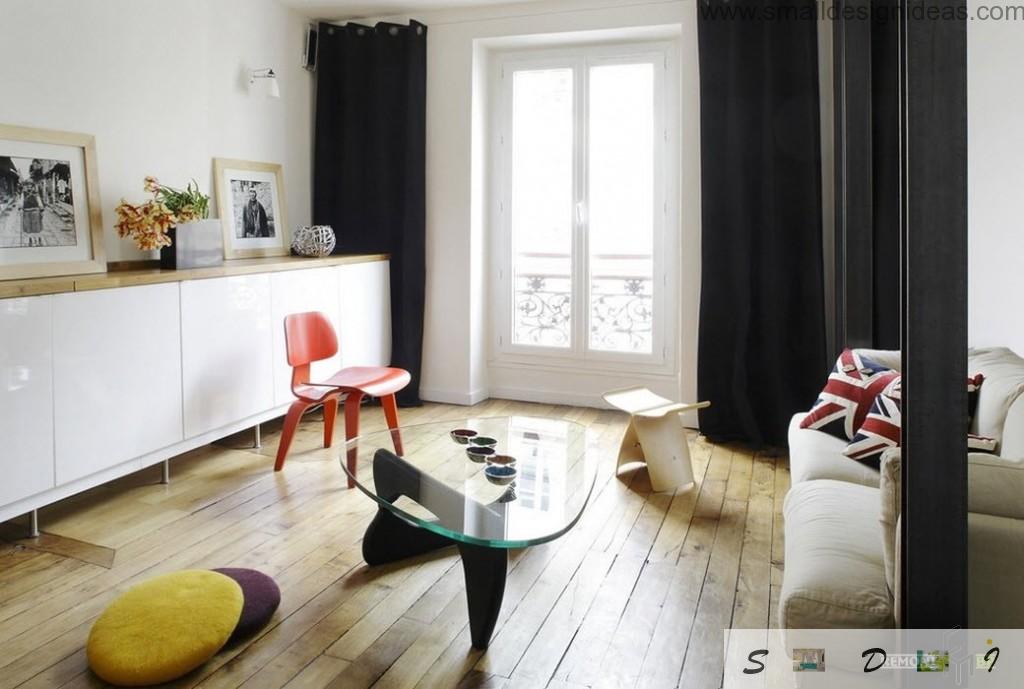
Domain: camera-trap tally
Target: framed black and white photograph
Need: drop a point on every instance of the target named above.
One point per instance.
(50, 221)
(250, 197)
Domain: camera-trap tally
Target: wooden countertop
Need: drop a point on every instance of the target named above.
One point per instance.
(153, 276)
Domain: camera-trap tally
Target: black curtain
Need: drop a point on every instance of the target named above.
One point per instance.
(369, 167)
(762, 324)
(886, 189)
(868, 171)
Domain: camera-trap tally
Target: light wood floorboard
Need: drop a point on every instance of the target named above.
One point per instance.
(636, 595)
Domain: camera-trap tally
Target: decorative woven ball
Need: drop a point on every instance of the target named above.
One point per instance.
(315, 241)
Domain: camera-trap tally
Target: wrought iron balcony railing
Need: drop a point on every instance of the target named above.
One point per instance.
(621, 304)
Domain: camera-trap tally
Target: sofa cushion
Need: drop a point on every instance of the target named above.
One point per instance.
(851, 388)
(1004, 382)
(816, 455)
(995, 485)
(890, 358)
(834, 572)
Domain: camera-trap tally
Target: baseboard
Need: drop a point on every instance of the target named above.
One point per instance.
(573, 399)
(458, 397)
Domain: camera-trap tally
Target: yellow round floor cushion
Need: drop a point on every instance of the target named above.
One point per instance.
(164, 628)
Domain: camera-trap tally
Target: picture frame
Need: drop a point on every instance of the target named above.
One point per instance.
(251, 203)
(51, 221)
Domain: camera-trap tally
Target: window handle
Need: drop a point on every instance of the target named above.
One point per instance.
(581, 214)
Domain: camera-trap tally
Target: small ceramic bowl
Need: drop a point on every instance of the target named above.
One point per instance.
(462, 435)
(499, 475)
(502, 460)
(483, 441)
(479, 454)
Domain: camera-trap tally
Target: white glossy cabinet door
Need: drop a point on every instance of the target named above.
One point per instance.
(296, 292)
(365, 329)
(227, 351)
(26, 398)
(117, 376)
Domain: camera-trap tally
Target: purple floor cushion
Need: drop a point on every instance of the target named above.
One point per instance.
(262, 596)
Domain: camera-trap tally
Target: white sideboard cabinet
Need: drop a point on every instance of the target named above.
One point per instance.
(26, 397)
(116, 377)
(125, 370)
(227, 359)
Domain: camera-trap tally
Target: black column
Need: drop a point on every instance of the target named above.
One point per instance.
(934, 537)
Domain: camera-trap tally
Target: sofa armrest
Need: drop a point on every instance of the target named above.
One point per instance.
(995, 485)
(889, 488)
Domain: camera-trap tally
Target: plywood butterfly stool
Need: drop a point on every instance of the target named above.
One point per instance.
(655, 436)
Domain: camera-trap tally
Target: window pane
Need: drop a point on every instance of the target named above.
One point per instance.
(621, 238)
(542, 206)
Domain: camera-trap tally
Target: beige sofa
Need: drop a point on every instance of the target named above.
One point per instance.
(841, 517)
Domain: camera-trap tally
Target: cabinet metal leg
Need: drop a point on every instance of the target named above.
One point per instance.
(257, 437)
(165, 472)
(33, 524)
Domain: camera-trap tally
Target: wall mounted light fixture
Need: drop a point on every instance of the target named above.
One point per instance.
(264, 80)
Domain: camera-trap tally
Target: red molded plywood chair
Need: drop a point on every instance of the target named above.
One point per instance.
(310, 337)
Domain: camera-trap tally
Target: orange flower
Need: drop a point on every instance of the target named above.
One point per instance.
(146, 224)
(151, 185)
(187, 214)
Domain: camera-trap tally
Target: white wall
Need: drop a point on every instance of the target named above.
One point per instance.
(995, 105)
(456, 366)
(160, 86)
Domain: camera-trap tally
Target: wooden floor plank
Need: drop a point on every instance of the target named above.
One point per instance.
(666, 652)
(545, 652)
(318, 673)
(703, 664)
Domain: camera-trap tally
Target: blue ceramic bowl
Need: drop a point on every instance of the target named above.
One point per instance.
(500, 475)
(479, 454)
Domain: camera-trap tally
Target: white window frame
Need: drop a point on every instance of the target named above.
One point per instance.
(666, 241)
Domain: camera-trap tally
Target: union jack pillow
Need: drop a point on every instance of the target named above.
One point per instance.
(880, 431)
(852, 386)
(882, 426)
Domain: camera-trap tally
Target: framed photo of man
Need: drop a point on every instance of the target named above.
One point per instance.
(50, 220)
(250, 197)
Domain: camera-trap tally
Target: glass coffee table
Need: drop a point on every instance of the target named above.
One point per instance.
(527, 482)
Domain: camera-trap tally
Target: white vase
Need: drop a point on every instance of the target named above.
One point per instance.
(197, 244)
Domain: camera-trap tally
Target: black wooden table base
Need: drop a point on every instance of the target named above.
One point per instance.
(389, 539)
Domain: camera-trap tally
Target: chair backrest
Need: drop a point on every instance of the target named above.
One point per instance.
(309, 337)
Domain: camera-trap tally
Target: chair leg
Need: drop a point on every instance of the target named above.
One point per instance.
(352, 403)
(291, 422)
(330, 414)
(391, 415)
